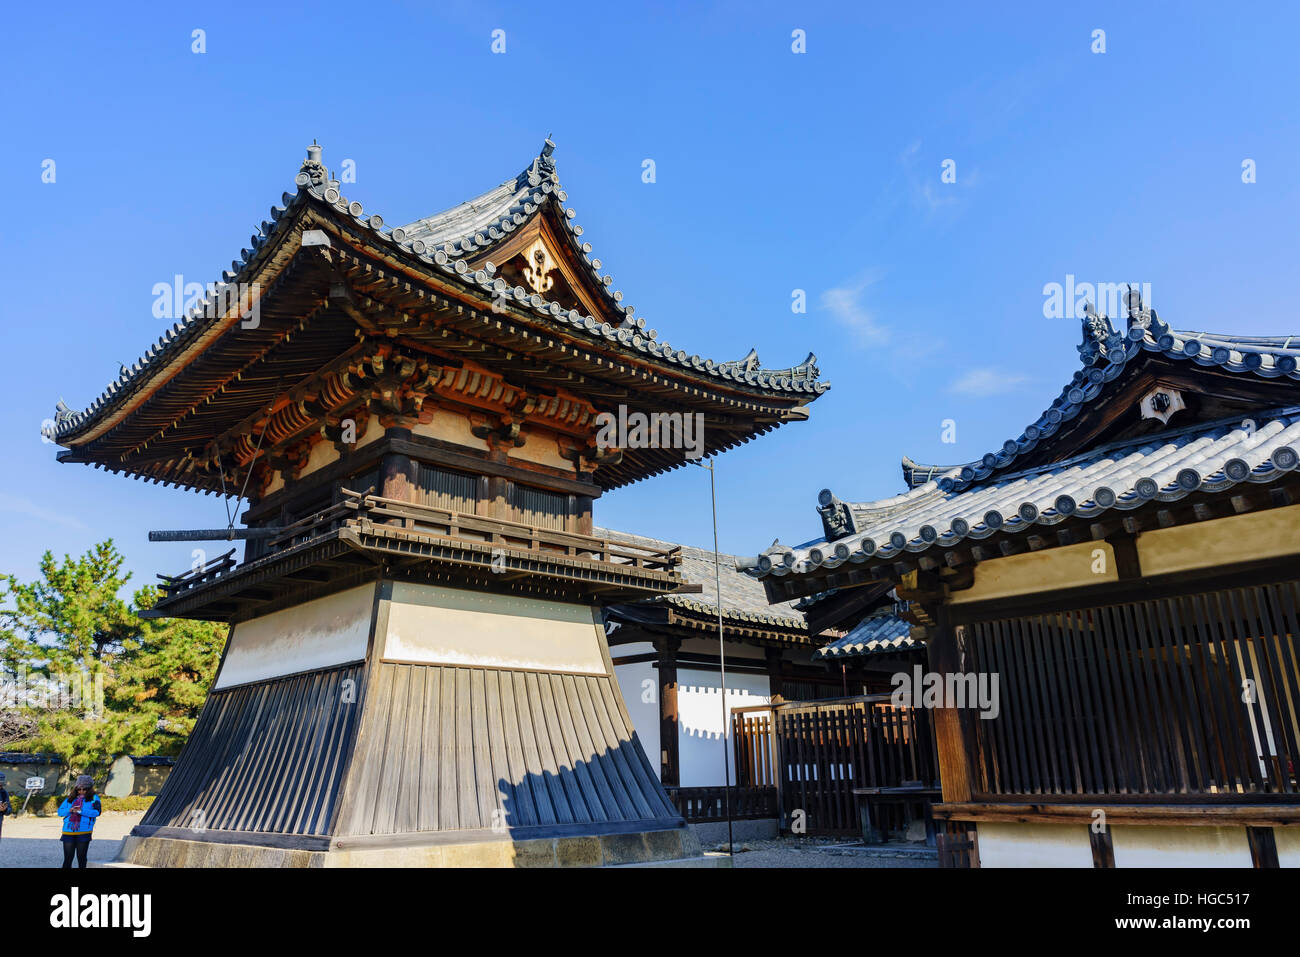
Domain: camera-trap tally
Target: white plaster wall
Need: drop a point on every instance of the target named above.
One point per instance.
(701, 722)
(1288, 846)
(430, 624)
(317, 634)
(642, 699)
(1139, 846)
(1034, 845)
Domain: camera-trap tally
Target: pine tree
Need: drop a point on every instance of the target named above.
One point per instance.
(164, 674)
(125, 684)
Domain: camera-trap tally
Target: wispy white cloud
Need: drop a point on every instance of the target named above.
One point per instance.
(23, 506)
(846, 305)
(987, 381)
(926, 186)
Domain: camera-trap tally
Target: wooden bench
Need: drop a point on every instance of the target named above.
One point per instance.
(909, 795)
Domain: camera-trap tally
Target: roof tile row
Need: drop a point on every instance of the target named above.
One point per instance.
(1122, 476)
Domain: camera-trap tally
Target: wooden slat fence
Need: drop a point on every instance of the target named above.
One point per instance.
(816, 753)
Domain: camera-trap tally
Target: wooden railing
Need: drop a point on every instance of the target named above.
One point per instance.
(700, 805)
(203, 572)
(372, 514)
(432, 521)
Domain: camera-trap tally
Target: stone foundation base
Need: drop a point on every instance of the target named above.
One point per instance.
(668, 848)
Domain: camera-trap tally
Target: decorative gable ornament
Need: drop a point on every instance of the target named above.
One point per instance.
(540, 263)
(1161, 403)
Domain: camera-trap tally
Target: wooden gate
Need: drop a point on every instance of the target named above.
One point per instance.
(816, 753)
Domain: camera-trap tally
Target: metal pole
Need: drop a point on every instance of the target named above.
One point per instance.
(722, 661)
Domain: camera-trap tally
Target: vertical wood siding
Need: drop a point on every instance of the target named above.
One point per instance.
(265, 757)
(1194, 695)
(449, 748)
(538, 507)
(457, 491)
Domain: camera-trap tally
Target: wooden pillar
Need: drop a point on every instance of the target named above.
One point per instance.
(582, 524)
(399, 475)
(669, 768)
(774, 679)
(498, 497)
(1263, 846)
(953, 734)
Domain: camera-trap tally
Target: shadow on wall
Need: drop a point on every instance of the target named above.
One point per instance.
(612, 791)
(700, 710)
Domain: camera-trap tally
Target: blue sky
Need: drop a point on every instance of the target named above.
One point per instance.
(776, 171)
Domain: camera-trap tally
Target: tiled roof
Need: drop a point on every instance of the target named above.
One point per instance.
(1122, 476)
(743, 597)
(477, 225)
(876, 635)
(442, 242)
(1105, 352)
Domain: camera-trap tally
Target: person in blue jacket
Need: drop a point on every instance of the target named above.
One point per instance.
(79, 811)
(4, 803)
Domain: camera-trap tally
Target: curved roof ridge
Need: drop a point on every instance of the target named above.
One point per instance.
(315, 181)
(1105, 352)
(1286, 345)
(464, 219)
(475, 226)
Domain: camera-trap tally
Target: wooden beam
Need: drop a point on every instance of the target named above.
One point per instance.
(1195, 815)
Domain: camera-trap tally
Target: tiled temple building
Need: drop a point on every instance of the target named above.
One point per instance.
(777, 664)
(670, 665)
(417, 671)
(1127, 569)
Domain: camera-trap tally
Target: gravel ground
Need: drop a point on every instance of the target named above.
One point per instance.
(827, 852)
(34, 841)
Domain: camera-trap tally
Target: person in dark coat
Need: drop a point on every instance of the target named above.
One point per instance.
(79, 811)
(5, 808)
